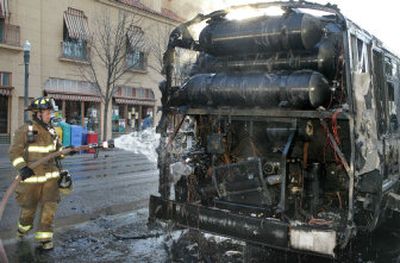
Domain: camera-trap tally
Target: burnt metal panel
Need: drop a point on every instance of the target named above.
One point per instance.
(242, 182)
(269, 232)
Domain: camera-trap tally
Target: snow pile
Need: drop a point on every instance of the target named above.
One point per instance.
(144, 142)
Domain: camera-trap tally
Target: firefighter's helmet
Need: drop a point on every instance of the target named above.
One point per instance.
(42, 103)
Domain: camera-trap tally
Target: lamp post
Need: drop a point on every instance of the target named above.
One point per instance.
(27, 54)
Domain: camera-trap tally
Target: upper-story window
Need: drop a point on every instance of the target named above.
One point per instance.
(75, 35)
(136, 58)
(5, 79)
(9, 33)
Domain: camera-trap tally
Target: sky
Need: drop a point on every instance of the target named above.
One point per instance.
(381, 18)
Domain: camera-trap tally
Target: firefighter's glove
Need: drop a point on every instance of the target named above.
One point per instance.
(25, 173)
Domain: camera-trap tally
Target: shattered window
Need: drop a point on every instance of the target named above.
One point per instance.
(360, 54)
(185, 59)
(389, 70)
(379, 84)
(392, 108)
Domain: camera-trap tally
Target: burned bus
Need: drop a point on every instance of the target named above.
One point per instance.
(286, 131)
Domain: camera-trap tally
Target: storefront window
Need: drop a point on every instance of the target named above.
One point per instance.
(73, 112)
(132, 118)
(115, 118)
(92, 116)
(3, 114)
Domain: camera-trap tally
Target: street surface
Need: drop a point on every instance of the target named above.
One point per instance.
(116, 181)
(105, 220)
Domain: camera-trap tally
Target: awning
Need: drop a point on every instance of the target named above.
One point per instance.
(135, 101)
(3, 8)
(74, 97)
(77, 24)
(5, 91)
(65, 89)
(135, 38)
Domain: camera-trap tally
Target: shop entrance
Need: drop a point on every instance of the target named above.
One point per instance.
(3, 114)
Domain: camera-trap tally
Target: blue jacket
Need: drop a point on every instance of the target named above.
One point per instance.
(147, 122)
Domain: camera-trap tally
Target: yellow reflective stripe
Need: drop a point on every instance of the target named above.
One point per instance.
(42, 149)
(24, 229)
(18, 161)
(35, 179)
(44, 235)
(42, 179)
(52, 174)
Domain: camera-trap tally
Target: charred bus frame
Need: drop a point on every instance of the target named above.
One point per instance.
(367, 167)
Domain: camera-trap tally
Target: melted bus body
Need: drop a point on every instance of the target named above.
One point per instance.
(284, 134)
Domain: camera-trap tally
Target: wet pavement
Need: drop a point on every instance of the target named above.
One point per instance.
(98, 240)
(117, 181)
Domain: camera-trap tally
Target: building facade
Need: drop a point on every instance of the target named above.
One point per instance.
(58, 32)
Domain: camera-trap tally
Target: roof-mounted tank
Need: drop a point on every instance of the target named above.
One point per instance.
(291, 31)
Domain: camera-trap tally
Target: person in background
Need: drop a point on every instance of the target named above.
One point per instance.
(147, 122)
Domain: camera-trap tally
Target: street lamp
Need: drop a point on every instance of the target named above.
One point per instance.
(27, 54)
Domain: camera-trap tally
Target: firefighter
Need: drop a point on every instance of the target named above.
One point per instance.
(38, 189)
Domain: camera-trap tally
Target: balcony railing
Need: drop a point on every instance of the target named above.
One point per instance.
(10, 35)
(74, 50)
(136, 60)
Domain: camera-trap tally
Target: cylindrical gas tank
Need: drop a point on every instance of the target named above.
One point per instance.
(297, 90)
(322, 59)
(292, 31)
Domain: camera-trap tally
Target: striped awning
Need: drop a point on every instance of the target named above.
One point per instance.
(77, 24)
(66, 89)
(135, 101)
(3, 8)
(135, 38)
(74, 97)
(5, 91)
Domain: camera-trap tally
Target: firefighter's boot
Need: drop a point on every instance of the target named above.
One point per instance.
(46, 245)
(45, 240)
(22, 231)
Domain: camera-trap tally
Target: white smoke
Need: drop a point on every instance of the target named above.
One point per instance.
(144, 142)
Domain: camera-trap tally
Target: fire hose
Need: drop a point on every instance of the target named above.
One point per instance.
(14, 184)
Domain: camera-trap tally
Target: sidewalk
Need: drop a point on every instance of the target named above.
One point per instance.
(4, 161)
(3, 148)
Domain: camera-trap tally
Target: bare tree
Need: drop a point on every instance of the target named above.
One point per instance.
(116, 46)
(158, 40)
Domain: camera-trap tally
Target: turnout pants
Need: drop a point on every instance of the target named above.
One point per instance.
(39, 196)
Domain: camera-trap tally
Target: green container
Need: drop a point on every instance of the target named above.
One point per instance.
(66, 131)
